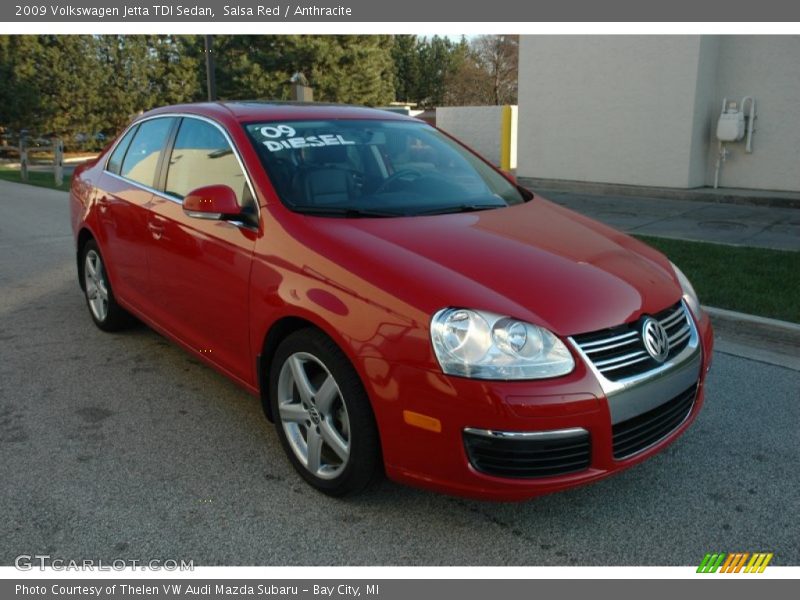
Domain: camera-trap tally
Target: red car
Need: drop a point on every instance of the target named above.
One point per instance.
(398, 304)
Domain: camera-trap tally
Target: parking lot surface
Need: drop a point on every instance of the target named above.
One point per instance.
(125, 447)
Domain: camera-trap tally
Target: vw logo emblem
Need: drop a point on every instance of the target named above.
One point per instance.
(655, 339)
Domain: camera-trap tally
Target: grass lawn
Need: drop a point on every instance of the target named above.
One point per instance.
(34, 178)
(750, 280)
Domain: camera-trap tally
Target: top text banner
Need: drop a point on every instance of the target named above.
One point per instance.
(465, 11)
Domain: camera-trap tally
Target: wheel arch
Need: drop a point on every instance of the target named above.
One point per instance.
(84, 235)
(279, 330)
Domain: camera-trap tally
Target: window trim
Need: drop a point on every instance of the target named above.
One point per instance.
(117, 143)
(128, 149)
(161, 171)
(163, 162)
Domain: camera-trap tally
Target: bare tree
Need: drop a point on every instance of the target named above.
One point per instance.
(484, 72)
(468, 85)
(498, 55)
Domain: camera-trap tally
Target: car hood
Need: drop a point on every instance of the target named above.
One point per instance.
(536, 261)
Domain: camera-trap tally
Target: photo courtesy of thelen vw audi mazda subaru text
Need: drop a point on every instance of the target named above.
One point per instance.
(399, 305)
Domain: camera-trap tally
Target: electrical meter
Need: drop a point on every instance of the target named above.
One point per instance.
(730, 127)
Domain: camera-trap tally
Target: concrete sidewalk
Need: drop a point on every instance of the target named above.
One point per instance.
(738, 224)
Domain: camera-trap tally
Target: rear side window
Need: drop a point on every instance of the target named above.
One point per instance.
(115, 162)
(202, 156)
(144, 152)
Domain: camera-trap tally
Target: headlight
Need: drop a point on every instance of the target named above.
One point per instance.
(689, 295)
(483, 345)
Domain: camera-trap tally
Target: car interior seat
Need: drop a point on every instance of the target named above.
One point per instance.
(326, 179)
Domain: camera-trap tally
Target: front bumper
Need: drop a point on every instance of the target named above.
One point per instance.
(444, 461)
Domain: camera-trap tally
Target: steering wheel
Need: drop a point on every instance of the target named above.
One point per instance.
(403, 174)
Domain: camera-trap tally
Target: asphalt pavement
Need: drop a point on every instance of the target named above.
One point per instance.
(123, 446)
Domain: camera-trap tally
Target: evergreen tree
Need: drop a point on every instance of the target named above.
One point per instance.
(425, 66)
(355, 69)
(137, 73)
(177, 70)
(245, 68)
(80, 86)
(405, 54)
(19, 92)
(125, 78)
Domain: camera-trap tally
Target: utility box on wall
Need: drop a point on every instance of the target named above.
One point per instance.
(730, 126)
(644, 110)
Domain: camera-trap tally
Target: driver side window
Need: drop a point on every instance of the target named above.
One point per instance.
(202, 156)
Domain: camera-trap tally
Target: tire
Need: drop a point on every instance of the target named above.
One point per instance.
(325, 423)
(103, 307)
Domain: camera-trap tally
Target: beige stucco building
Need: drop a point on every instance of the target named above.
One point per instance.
(643, 110)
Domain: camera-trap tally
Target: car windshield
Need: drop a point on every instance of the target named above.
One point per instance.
(357, 168)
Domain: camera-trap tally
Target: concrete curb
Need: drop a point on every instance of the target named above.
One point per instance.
(758, 338)
(722, 195)
(784, 330)
(723, 313)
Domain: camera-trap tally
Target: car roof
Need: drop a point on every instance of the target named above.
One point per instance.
(265, 110)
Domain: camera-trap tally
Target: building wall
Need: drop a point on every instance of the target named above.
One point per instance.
(706, 111)
(479, 127)
(615, 109)
(767, 68)
(642, 110)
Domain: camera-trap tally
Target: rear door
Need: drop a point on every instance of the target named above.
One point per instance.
(123, 205)
(200, 269)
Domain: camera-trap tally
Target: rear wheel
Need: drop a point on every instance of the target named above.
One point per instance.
(103, 307)
(322, 414)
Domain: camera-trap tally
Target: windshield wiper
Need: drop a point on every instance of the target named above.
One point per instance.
(458, 208)
(348, 213)
(354, 213)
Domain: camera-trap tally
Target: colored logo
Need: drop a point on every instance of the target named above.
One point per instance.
(736, 562)
(656, 340)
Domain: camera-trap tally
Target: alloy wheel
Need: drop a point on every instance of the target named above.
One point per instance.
(313, 415)
(96, 286)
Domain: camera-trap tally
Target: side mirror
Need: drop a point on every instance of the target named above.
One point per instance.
(510, 176)
(214, 202)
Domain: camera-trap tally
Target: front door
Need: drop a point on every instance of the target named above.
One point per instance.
(200, 269)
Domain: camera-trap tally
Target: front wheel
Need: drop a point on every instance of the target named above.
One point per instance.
(322, 414)
(103, 307)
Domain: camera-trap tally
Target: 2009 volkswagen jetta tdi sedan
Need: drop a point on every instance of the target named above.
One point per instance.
(398, 304)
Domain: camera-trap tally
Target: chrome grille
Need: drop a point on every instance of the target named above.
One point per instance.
(618, 352)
